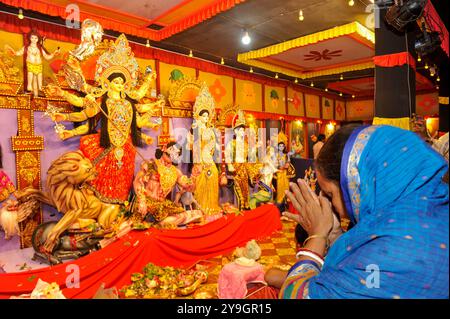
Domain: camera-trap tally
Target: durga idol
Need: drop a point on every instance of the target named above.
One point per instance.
(113, 150)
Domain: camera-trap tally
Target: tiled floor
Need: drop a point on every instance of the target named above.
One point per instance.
(277, 250)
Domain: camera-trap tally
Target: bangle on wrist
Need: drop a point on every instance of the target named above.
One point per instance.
(312, 252)
(311, 255)
(317, 236)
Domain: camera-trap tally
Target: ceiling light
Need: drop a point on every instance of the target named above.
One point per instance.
(340, 94)
(148, 43)
(20, 15)
(326, 89)
(190, 53)
(351, 3)
(296, 80)
(419, 58)
(276, 75)
(432, 71)
(251, 70)
(312, 84)
(300, 15)
(246, 38)
(222, 61)
(437, 87)
(353, 96)
(341, 78)
(438, 79)
(426, 66)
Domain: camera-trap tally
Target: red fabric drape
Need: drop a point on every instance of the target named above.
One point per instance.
(114, 264)
(11, 23)
(438, 25)
(396, 59)
(190, 20)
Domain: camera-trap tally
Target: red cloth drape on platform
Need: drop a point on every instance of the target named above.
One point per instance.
(396, 59)
(114, 264)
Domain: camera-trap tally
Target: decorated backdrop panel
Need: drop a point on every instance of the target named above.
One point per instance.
(275, 99)
(312, 103)
(221, 88)
(295, 103)
(249, 95)
(169, 73)
(339, 110)
(360, 110)
(327, 108)
(15, 41)
(427, 104)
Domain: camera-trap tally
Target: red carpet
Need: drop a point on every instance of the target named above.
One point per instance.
(114, 264)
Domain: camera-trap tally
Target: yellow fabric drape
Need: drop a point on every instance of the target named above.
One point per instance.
(403, 122)
(282, 185)
(207, 188)
(251, 57)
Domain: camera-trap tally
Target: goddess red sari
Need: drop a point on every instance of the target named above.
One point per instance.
(114, 181)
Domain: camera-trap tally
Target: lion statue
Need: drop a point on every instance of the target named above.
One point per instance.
(66, 180)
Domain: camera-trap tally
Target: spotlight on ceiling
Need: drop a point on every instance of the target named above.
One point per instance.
(404, 12)
(427, 42)
(246, 38)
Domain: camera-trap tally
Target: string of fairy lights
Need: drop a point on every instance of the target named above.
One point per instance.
(246, 40)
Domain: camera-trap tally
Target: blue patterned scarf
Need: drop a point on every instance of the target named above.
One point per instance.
(393, 192)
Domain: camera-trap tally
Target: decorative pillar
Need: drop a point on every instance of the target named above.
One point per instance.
(443, 98)
(28, 148)
(395, 77)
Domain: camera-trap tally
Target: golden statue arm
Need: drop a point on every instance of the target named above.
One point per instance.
(150, 107)
(140, 93)
(147, 139)
(80, 130)
(73, 99)
(145, 121)
(90, 111)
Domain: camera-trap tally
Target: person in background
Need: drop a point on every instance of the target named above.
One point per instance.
(318, 144)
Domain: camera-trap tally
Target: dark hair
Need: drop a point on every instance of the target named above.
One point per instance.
(203, 111)
(321, 137)
(159, 152)
(135, 131)
(285, 148)
(328, 162)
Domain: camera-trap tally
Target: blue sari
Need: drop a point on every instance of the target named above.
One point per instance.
(394, 194)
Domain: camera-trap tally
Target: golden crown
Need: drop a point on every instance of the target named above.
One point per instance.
(239, 119)
(118, 59)
(204, 101)
(282, 138)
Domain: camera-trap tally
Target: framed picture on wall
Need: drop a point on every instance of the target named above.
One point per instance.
(297, 147)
